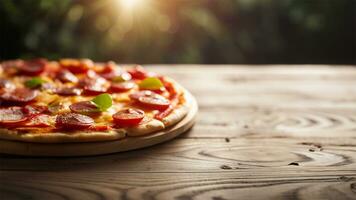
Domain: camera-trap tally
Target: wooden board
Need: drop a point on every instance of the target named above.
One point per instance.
(98, 148)
(262, 132)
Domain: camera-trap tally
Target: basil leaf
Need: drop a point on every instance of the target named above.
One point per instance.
(103, 101)
(34, 82)
(150, 83)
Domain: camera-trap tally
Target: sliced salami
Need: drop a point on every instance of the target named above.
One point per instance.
(33, 67)
(19, 95)
(121, 87)
(77, 66)
(128, 117)
(112, 72)
(156, 102)
(73, 121)
(150, 100)
(68, 91)
(12, 115)
(67, 77)
(84, 107)
(143, 93)
(93, 86)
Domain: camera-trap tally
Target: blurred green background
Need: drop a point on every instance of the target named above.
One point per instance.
(181, 31)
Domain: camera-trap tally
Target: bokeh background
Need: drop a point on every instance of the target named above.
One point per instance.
(181, 31)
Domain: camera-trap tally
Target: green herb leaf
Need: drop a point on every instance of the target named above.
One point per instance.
(150, 83)
(103, 101)
(34, 82)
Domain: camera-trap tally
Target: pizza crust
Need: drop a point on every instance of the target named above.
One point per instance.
(62, 137)
(181, 110)
(177, 115)
(146, 128)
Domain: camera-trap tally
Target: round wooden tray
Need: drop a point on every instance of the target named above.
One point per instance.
(98, 148)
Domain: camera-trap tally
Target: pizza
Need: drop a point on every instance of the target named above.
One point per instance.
(78, 100)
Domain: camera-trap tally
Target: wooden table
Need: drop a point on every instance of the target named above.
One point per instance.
(263, 132)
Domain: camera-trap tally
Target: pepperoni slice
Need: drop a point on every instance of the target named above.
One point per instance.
(12, 115)
(19, 95)
(68, 91)
(108, 71)
(156, 102)
(139, 73)
(108, 67)
(112, 72)
(11, 66)
(151, 100)
(77, 66)
(73, 121)
(94, 90)
(128, 117)
(135, 96)
(123, 76)
(86, 81)
(93, 86)
(122, 87)
(33, 67)
(67, 77)
(12, 63)
(84, 107)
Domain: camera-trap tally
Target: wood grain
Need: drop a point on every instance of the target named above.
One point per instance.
(293, 101)
(263, 132)
(205, 155)
(223, 185)
(245, 179)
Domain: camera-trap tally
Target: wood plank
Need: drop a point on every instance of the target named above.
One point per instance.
(191, 169)
(274, 122)
(181, 186)
(207, 155)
